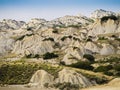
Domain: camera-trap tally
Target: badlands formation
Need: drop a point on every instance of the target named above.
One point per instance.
(67, 53)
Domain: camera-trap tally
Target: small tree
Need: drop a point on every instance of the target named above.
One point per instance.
(49, 55)
(89, 57)
(83, 65)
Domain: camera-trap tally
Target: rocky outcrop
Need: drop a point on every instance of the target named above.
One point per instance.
(73, 35)
(74, 54)
(34, 24)
(8, 24)
(100, 13)
(40, 78)
(33, 45)
(67, 75)
(92, 47)
(107, 49)
(72, 20)
(110, 26)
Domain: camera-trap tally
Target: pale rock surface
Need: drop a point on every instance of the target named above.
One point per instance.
(72, 55)
(110, 26)
(6, 43)
(100, 13)
(72, 20)
(8, 24)
(34, 24)
(40, 78)
(107, 49)
(92, 47)
(33, 45)
(75, 51)
(71, 76)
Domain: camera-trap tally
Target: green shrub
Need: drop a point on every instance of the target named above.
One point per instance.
(49, 55)
(29, 29)
(102, 38)
(117, 67)
(83, 65)
(32, 56)
(66, 86)
(89, 40)
(75, 26)
(105, 18)
(108, 73)
(55, 31)
(62, 63)
(47, 39)
(16, 74)
(76, 38)
(22, 73)
(21, 38)
(89, 57)
(103, 68)
(63, 38)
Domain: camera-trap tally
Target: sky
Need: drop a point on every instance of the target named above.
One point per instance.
(51, 9)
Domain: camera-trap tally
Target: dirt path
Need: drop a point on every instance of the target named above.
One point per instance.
(21, 87)
(113, 85)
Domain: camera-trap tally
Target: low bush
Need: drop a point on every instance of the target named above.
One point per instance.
(102, 38)
(89, 57)
(55, 31)
(103, 68)
(63, 38)
(105, 18)
(32, 56)
(66, 86)
(83, 65)
(49, 55)
(22, 73)
(16, 74)
(117, 67)
(47, 39)
(88, 40)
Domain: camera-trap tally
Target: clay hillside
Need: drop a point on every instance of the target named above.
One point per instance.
(67, 53)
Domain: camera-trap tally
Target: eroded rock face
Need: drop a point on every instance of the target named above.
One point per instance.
(92, 47)
(100, 13)
(33, 45)
(110, 26)
(8, 24)
(40, 78)
(74, 54)
(68, 34)
(72, 77)
(72, 20)
(107, 49)
(34, 24)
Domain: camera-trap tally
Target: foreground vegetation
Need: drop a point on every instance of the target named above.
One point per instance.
(21, 73)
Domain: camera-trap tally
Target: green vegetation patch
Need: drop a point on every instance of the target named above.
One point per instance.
(67, 86)
(105, 18)
(22, 73)
(89, 57)
(49, 55)
(82, 65)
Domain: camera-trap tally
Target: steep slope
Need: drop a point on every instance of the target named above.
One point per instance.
(105, 27)
(8, 24)
(100, 13)
(40, 78)
(72, 77)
